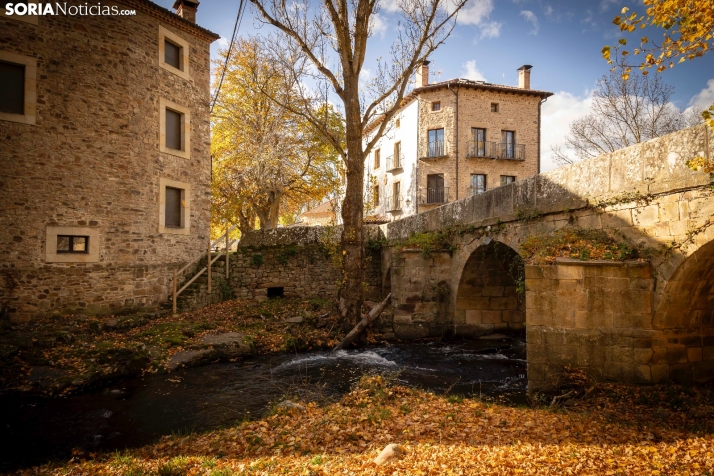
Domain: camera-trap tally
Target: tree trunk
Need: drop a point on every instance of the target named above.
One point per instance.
(362, 325)
(351, 292)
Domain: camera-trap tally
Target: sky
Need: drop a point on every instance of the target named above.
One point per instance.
(562, 40)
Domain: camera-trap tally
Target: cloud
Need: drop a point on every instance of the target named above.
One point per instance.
(471, 72)
(475, 12)
(222, 43)
(606, 4)
(558, 112)
(548, 11)
(390, 6)
(379, 25)
(491, 29)
(531, 18)
(704, 98)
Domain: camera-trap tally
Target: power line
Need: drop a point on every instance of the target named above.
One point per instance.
(239, 17)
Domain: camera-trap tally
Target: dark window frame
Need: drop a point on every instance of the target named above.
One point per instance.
(181, 209)
(71, 244)
(476, 187)
(436, 106)
(377, 158)
(181, 138)
(179, 55)
(22, 91)
(495, 107)
(507, 179)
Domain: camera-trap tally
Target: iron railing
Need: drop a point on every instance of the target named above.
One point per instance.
(433, 150)
(511, 151)
(495, 150)
(480, 148)
(432, 196)
(393, 203)
(395, 162)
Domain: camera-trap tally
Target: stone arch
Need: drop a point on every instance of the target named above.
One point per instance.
(685, 316)
(489, 296)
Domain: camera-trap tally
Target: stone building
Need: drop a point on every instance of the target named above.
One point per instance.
(105, 150)
(453, 139)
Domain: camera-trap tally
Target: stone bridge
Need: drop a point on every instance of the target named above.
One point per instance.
(643, 321)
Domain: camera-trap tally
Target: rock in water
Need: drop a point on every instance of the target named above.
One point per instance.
(390, 452)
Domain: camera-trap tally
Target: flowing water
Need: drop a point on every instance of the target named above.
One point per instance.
(138, 411)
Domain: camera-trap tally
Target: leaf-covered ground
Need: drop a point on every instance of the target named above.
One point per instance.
(616, 431)
(67, 353)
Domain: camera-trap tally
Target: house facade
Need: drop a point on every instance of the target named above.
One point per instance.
(450, 140)
(105, 154)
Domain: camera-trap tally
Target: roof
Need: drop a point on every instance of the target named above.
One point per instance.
(375, 219)
(172, 18)
(322, 209)
(461, 83)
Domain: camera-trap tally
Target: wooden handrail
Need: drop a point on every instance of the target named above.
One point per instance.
(209, 261)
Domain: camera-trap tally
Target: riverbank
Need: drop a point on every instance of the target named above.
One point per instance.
(67, 354)
(616, 430)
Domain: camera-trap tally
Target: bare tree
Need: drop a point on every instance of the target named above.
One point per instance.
(623, 112)
(328, 44)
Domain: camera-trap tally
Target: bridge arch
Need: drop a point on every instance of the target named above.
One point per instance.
(685, 315)
(489, 297)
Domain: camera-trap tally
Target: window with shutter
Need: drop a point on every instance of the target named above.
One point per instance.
(173, 208)
(174, 138)
(172, 54)
(12, 88)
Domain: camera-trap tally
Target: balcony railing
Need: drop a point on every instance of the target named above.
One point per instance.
(395, 162)
(433, 150)
(393, 203)
(511, 151)
(433, 196)
(495, 150)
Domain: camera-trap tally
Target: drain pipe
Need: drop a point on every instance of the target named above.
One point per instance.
(456, 127)
(540, 103)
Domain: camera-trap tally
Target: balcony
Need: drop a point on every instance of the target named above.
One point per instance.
(495, 150)
(434, 196)
(433, 150)
(395, 162)
(393, 203)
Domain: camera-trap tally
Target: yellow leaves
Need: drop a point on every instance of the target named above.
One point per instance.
(622, 41)
(624, 10)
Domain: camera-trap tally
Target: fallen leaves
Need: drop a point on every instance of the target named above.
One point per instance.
(611, 433)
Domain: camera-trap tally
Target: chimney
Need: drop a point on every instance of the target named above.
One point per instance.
(524, 76)
(186, 9)
(422, 75)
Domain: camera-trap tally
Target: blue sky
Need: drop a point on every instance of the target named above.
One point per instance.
(561, 39)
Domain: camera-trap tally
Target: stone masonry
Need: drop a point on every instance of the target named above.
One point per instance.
(91, 164)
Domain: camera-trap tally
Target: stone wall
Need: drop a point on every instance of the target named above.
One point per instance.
(300, 260)
(92, 161)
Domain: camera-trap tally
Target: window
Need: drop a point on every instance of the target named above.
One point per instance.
(506, 179)
(435, 188)
(478, 144)
(397, 155)
(436, 106)
(396, 202)
(494, 107)
(173, 53)
(478, 183)
(375, 196)
(376, 158)
(18, 91)
(174, 207)
(436, 143)
(72, 244)
(508, 144)
(397, 123)
(12, 88)
(175, 130)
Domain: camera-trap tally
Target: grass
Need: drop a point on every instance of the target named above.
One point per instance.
(576, 243)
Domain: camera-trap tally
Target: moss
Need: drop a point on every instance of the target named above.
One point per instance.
(576, 243)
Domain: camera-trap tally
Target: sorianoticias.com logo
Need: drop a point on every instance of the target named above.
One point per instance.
(86, 9)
